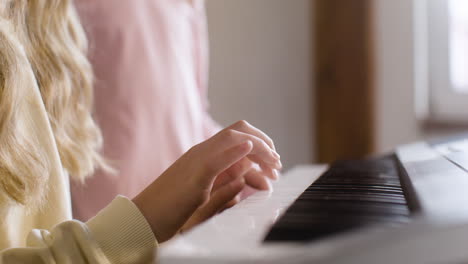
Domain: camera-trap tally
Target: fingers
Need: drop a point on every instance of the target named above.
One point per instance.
(257, 180)
(273, 174)
(228, 158)
(229, 137)
(235, 171)
(255, 172)
(245, 127)
(231, 145)
(254, 175)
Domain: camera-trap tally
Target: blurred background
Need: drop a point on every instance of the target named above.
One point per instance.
(332, 79)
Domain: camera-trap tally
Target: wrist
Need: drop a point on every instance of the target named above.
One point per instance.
(148, 214)
(165, 209)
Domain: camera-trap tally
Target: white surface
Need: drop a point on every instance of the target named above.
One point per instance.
(261, 70)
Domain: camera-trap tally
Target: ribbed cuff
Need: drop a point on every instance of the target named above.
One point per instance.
(123, 233)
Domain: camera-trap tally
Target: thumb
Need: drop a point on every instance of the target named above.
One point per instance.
(218, 201)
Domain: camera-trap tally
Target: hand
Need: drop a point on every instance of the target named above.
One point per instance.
(257, 174)
(188, 184)
(227, 188)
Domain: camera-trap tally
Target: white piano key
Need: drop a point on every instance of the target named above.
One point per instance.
(241, 229)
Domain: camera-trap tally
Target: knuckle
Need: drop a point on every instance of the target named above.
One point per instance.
(241, 124)
(230, 133)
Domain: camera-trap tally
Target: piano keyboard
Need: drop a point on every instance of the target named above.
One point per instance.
(350, 195)
(379, 193)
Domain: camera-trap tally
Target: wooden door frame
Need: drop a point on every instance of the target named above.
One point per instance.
(344, 79)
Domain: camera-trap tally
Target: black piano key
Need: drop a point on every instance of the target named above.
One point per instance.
(350, 195)
(325, 229)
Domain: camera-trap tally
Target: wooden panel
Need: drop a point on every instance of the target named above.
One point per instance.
(344, 79)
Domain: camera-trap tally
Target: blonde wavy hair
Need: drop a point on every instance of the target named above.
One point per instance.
(45, 37)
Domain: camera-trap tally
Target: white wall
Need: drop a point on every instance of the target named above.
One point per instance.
(396, 121)
(394, 36)
(261, 70)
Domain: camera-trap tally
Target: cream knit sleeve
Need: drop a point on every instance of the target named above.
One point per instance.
(117, 234)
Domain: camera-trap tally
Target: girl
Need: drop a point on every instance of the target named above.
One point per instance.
(47, 134)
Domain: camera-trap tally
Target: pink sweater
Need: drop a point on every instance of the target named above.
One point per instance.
(151, 63)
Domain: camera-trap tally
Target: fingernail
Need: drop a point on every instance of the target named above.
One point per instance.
(280, 164)
(248, 144)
